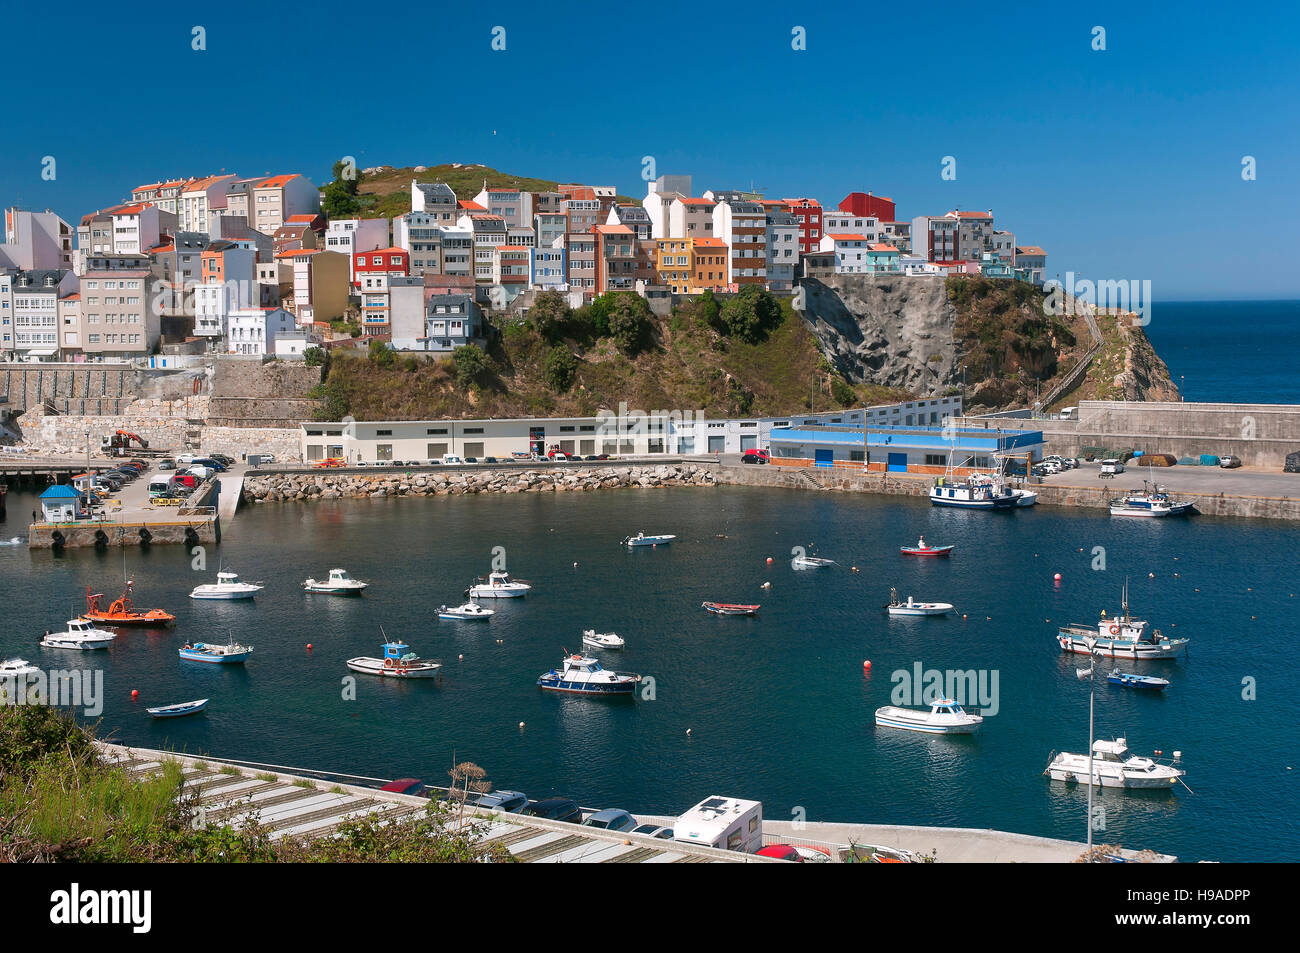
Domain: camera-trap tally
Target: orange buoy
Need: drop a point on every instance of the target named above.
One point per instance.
(769, 560)
(963, 616)
(135, 693)
(1057, 577)
(866, 665)
(308, 646)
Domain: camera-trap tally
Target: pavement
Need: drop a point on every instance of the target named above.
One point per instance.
(1243, 481)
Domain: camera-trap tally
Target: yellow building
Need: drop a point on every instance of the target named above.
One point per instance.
(692, 265)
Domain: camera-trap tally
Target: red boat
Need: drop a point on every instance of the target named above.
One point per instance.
(729, 608)
(122, 612)
(920, 549)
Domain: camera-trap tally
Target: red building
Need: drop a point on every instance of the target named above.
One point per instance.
(809, 213)
(380, 261)
(868, 205)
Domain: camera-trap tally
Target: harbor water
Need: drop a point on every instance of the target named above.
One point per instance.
(777, 707)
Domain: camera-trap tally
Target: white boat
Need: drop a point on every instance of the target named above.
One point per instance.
(339, 583)
(1120, 636)
(1114, 766)
(602, 640)
(227, 586)
(912, 607)
(1152, 500)
(811, 562)
(17, 668)
(469, 610)
(396, 663)
(641, 539)
(584, 676)
(498, 585)
(945, 717)
(80, 634)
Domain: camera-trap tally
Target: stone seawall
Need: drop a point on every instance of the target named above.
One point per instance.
(284, 443)
(333, 485)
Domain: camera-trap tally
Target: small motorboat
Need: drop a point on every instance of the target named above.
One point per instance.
(498, 585)
(920, 549)
(339, 583)
(729, 608)
(585, 676)
(641, 539)
(811, 562)
(945, 717)
(468, 610)
(227, 586)
(911, 607)
(396, 663)
(80, 634)
(232, 653)
(176, 711)
(13, 669)
(122, 612)
(1129, 680)
(1114, 766)
(602, 640)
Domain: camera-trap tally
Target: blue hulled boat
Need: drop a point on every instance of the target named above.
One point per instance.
(1129, 680)
(585, 676)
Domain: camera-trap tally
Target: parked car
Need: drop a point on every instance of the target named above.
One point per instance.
(598, 456)
(405, 786)
(654, 830)
(511, 802)
(1071, 462)
(559, 455)
(433, 463)
(611, 819)
(471, 459)
(491, 460)
(166, 463)
(185, 459)
(1229, 462)
(211, 464)
(755, 455)
(223, 459)
(451, 459)
(1111, 467)
(555, 809)
(186, 480)
(201, 471)
(780, 852)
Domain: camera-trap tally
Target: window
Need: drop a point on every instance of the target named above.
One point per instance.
(383, 433)
(436, 431)
(470, 430)
(936, 459)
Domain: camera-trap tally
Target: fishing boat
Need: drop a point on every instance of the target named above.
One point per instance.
(232, 653)
(602, 640)
(227, 586)
(1129, 680)
(468, 610)
(176, 711)
(1152, 500)
(12, 669)
(811, 562)
(977, 492)
(911, 607)
(1120, 636)
(641, 539)
(397, 662)
(1114, 766)
(945, 717)
(498, 585)
(729, 608)
(920, 549)
(80, 634)
(581, 675)
(121, 611)
(339, 583)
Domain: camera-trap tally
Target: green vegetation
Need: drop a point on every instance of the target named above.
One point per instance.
(59, 801)
(339, 197)
(471, 365)
(751, 315)
(560, 368)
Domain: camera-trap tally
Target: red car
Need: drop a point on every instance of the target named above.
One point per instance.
(755, 455)
(780, 852)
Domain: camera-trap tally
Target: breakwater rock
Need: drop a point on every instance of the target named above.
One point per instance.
(326, 485)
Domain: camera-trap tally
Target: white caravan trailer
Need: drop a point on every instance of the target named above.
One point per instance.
(725, 822)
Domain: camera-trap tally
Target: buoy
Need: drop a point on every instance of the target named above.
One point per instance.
(1176, 576)
(963, 616)
(308, 646)
(688, 731)
(461, 657)
(135, 693)
(521, 724)
(988, 618)
(866, 665)
(766, 585)
(769, 560)
(1151, 575)
(575, 565)
(1057, 577)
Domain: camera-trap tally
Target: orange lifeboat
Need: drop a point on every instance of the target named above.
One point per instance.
(122, 612)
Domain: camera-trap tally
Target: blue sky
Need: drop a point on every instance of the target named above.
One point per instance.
(1123, 163)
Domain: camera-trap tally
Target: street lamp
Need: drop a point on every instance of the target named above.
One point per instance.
(1090, 674)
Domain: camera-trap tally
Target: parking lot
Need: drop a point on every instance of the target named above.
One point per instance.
(1243, 481)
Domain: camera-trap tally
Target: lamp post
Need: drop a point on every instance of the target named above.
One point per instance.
(1092, 694)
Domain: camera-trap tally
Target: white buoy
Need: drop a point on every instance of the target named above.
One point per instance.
(460, 658)
(521, 724)
(688, 731)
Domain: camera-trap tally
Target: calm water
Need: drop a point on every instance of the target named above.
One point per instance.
(778, 706)
(1233, 351)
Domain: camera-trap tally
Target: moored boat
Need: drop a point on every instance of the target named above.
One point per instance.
(1113, 765)
(498, 585)
(920, 549)
(80, 634)
(582, 675)
(910, 608)
(14, 669)
(227, 586)
(232, 653)
(1152, 500)
(730, 608)
(1121, 636)
(945, 717)
(122, 612)
(396, 663)
(978, 492)
(468, 610)
(1130, 680)
(811, 562)
(641, 539)
(602, 640)
(339, 583)
(176, 711)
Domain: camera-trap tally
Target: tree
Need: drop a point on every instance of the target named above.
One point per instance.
(707, 311)
(751, 314)
(334, 400)
(559, 369)
(316, 357)
(629, 322)
(381, 354)
(470, 363)
(340, 198)
(549, 314)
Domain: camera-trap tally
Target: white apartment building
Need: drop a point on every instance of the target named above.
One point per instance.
(36, 240)
(253, 331)
(515, 207)
(782, 249)
(742, 224)
(690, 218)
(347, 236)
(437, 199)
(198, 198)
(850, 252)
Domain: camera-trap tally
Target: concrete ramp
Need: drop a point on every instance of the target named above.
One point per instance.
(232, 487)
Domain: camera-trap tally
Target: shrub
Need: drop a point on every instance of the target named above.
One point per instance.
(629, 322)
(751, 315)
(471, 365)
(550, 314)
(559, 369)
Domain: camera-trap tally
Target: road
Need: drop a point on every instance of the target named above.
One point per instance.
(1244, 481)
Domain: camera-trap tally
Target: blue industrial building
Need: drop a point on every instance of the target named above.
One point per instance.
(903, 449)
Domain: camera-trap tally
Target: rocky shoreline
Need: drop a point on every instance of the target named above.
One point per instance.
(325, 485)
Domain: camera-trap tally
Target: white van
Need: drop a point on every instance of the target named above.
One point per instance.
(1111, 467)
(725, 822)
(450, 459)
(1067, 413)
(160, 486)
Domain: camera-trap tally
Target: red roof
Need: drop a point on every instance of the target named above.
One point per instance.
(882, 247)
(471, 205)
(1029, 250)
(276, 181)
(971, 214)
(697, 201)
(294, 252)
(708, 243)
(391, 250)
(847, 238)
